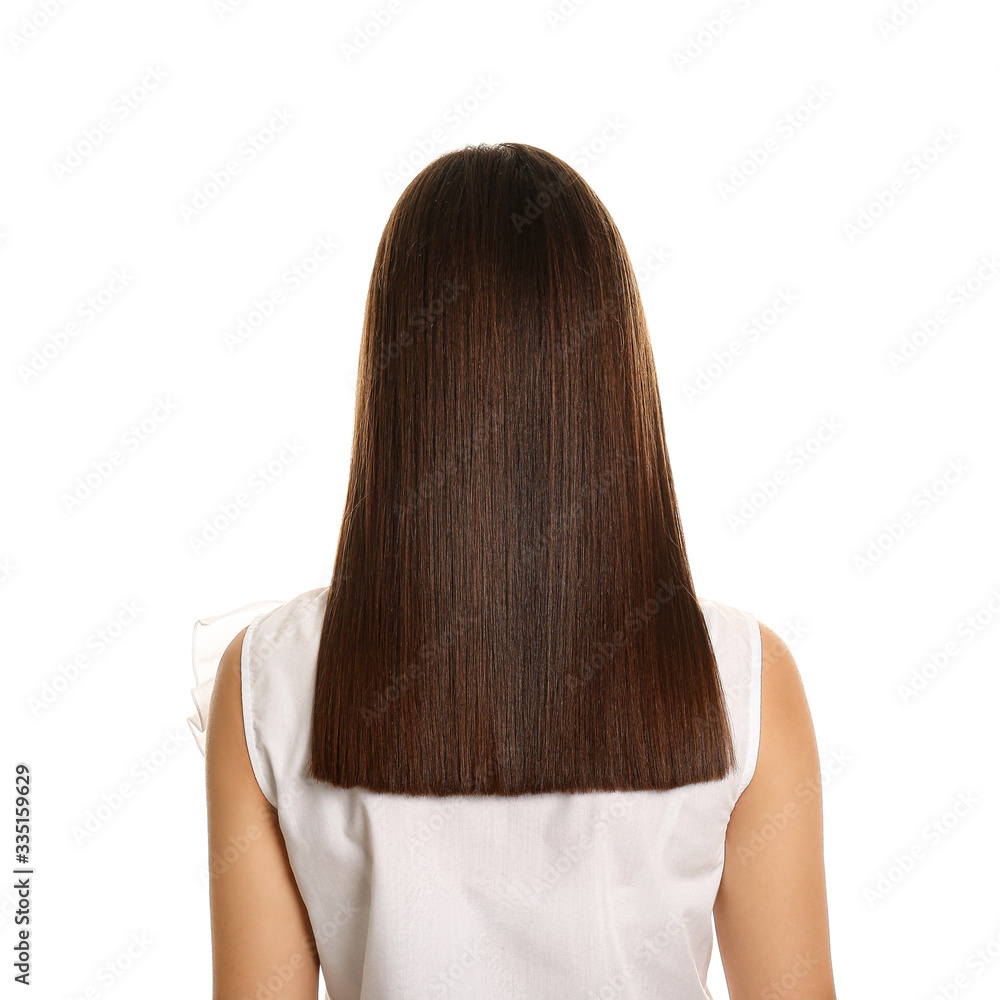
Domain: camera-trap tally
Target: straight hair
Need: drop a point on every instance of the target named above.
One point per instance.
(511, 610)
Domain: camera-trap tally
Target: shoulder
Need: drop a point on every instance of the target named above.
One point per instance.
(786, 757)
(786, 722)
(277, 651)
(227, 756)
(226, 694)
(757, 668)
(229, 665)
(263, 696)
(258, 915)
(300, 616)
(771, 905)
(782, 697)
(729, 624)
(736, 642)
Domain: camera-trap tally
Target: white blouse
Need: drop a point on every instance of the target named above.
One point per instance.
(556, 896)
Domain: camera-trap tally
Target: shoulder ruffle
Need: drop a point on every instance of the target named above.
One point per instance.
(209, 640)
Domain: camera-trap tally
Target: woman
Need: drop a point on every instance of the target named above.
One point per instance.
(508, 752)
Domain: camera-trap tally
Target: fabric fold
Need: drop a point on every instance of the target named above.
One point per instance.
(209, 640)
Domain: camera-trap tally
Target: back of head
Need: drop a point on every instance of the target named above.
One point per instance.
(511, 609)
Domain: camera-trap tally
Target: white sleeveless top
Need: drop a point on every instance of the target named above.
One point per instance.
(566, 896)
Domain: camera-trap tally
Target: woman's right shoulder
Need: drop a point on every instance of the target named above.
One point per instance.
(774, 874)
(783, 696)
(787, 752)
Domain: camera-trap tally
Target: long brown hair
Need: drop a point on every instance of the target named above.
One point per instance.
(511, 609)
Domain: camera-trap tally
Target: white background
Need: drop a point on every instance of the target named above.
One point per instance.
(603, 88)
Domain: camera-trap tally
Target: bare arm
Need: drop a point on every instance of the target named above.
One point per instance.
(771, 911)
(261, 936)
